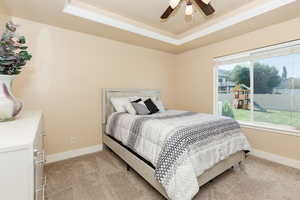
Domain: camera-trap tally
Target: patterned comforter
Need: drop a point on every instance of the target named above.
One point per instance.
(180, 144)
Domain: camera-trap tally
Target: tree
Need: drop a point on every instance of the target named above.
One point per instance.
(266, 78)
(284, 74)
(241, 75)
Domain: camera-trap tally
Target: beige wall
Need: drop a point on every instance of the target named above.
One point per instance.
(69, 69)
(194, 81)
(3, 16)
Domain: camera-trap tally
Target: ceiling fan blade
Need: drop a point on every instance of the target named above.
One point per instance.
(206, 8)
(167, 13)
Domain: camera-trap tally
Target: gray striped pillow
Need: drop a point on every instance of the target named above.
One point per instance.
(140, 109)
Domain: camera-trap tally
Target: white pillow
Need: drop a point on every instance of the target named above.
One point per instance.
(119, 103)
(130, 109)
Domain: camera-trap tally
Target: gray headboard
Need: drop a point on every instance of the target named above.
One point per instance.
(107, 94)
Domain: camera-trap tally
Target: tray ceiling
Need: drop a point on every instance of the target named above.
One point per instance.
(149, 12)
(142, 27)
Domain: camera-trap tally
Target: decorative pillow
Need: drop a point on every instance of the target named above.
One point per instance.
(140, 108)
(151, 106)
(147, 97)
(136, 101)
(129, 107)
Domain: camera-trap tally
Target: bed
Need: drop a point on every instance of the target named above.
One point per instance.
(165, 166)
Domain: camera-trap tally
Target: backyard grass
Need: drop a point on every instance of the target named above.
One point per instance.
(271, 116)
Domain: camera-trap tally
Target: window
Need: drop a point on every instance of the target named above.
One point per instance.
(261, 87)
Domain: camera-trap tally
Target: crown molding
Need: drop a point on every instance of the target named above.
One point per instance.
(92, 14)
(264, 8)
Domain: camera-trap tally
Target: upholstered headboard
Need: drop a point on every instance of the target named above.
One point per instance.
(107, 94)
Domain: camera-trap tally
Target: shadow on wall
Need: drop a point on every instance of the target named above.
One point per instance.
(31, 77)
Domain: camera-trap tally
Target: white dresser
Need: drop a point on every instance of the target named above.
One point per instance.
(22, 158)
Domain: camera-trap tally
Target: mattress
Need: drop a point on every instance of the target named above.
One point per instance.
(151, 135)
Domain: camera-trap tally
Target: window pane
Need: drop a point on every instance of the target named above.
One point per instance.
(234, 91)
(273, 73)
(273, 95)
(295, 85)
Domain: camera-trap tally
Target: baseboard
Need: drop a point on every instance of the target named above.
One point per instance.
(74, 153)
(276, 158)
(92, 149)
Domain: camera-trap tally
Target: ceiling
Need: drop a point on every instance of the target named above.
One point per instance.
(135, 23)
(149, 12)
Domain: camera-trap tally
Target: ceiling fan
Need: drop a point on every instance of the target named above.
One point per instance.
(204, 5)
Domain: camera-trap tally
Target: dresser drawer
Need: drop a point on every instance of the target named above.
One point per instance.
(39, 162)
(39, 137)
(40, 192)
(22, 158)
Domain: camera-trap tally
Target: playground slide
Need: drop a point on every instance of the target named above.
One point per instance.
(259, 107)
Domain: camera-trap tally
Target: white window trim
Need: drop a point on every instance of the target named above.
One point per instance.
(269, 128)
(246, 54)
(252, 125)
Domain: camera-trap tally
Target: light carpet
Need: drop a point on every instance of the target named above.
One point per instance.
(103, 176)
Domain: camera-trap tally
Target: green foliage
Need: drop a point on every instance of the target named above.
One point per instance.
(272, 116)
(227, 110)
(13, 52)
(266, 78)
(284, 74)
(241, 75)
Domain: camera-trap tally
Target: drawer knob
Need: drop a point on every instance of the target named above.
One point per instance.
(42, 157)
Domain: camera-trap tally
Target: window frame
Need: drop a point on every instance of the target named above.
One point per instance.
(245, 56)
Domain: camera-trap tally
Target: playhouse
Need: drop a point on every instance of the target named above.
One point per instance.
(241, 97)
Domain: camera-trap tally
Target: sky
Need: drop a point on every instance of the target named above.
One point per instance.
(292, 63)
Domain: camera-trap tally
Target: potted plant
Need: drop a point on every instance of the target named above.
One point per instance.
(13, 57)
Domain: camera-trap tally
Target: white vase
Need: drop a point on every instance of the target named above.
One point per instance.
(10, 107)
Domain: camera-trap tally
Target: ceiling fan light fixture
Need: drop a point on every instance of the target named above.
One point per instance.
(204, 5)
(189, 8)
(174, 3)
(206, 1)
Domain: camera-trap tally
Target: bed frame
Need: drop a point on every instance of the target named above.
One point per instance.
(136, 162)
